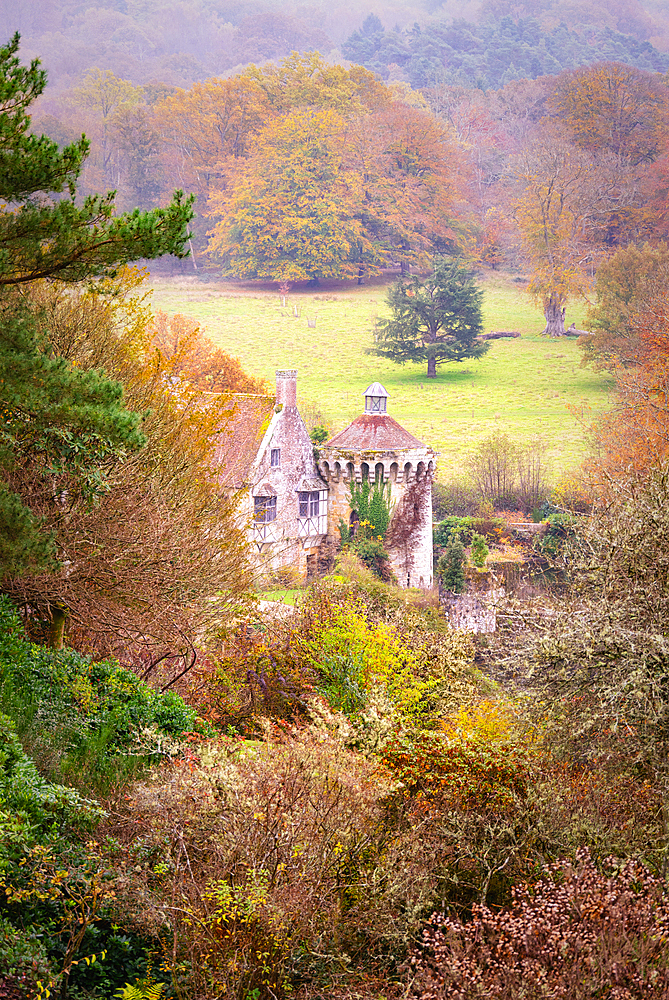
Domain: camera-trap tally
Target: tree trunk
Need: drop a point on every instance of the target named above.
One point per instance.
(554, 312)
(57, 629)
(361, 275)
(431, 367)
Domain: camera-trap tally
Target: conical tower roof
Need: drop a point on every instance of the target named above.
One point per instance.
(374, 430)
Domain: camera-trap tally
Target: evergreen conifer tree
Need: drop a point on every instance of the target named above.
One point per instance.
(55, 416)
(436, 320)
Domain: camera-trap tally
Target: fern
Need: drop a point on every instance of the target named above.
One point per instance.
(143, 989)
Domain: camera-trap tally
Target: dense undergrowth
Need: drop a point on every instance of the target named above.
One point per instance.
(350, 807)
(73, 730)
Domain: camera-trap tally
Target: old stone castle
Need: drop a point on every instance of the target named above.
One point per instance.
(293, 502)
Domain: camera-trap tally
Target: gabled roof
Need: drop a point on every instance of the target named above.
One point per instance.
(374, 432)
(240, 441)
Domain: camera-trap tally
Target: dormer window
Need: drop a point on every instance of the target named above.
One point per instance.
(275, 458)
(375, 398)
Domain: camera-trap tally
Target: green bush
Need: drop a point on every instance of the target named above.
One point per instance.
(39, 822)
(451, 566)
(86, 721)
(23, 959)
(479, 550)
(29, 804)
(452, 525)
(560, 529)
(373, 555)
(343, 682)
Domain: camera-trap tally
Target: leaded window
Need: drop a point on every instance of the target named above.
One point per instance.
(264, 509)
(309, 504)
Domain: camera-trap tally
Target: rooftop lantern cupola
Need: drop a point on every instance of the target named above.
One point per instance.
(375, 398)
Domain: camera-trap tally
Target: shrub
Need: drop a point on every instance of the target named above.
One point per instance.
(271, 846)
(42, 806)
(466, 766)
(91, 722)
(50, 887)
(578, 933)
(394, 645)
(479, 550)
(458, 498)
(452, 525)
(561, 527)
(485, 523)
(440, 500)
(372, 657)
(451, 566)
(469, 789)
(23, 961)
(510, 474)
(343, 682)
(373, 555)
(319, 434)
(572, 493)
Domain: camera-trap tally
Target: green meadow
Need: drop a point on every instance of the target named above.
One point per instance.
(524, 387)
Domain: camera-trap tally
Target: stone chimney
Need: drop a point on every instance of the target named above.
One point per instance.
(286, 388)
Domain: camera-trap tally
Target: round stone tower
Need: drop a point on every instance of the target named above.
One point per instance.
(376, 447)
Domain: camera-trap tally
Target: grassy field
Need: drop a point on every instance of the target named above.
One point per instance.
(525, 387)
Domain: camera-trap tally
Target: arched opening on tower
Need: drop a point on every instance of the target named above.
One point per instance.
(378, 472)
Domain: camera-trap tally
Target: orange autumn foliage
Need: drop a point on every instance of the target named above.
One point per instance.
(634, 436)
(194, 357)
(615, 108)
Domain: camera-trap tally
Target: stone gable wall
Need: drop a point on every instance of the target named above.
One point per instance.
(278, 544)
